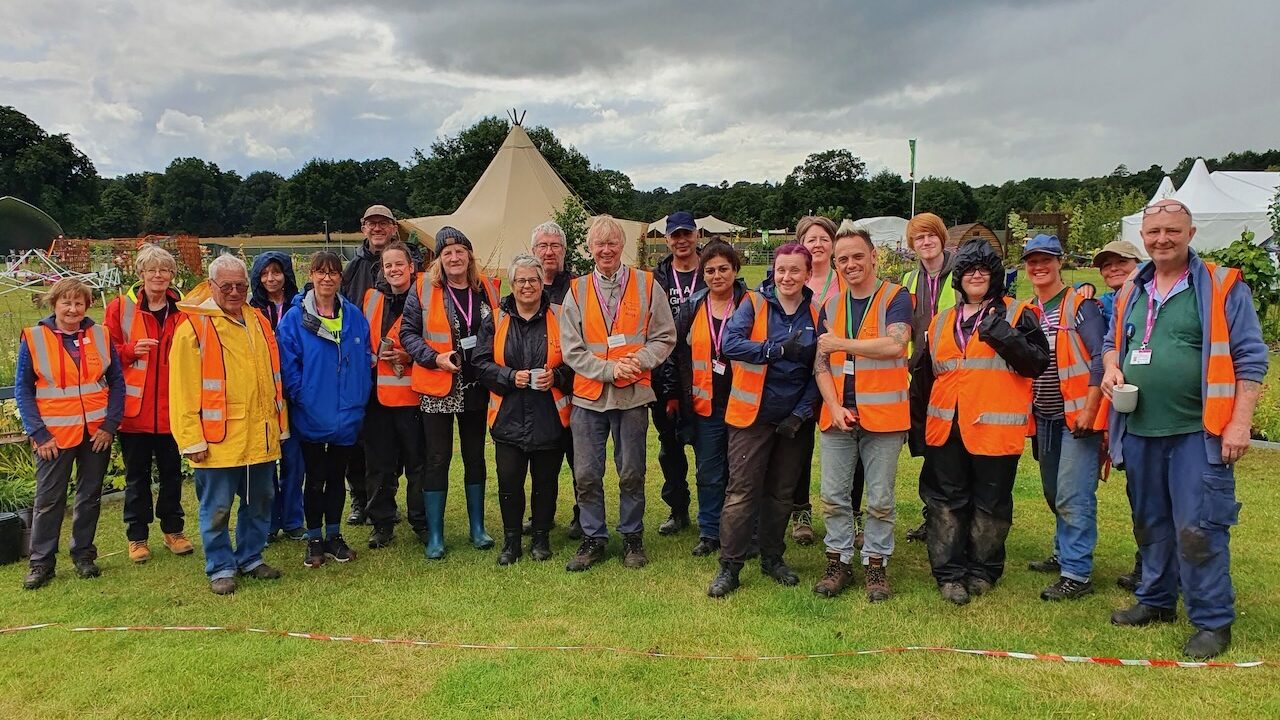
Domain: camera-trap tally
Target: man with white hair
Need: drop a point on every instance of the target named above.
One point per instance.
(227, 414)
(1186, 334)
(615, 329)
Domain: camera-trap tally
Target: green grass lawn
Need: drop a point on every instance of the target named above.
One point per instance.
(466, 598)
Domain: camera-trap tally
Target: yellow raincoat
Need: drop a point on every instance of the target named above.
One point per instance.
(254, 429)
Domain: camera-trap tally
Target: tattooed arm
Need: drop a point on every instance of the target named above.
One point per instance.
(1235, 437)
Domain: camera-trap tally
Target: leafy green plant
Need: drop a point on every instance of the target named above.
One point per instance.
(572, 218)
(17, 477)
(1266, 419)
(1257, 267)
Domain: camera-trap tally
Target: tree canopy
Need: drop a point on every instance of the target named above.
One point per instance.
(194, 195)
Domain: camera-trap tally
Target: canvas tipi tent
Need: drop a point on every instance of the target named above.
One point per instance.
(710, 225)
(1224, 205)
(517, 192)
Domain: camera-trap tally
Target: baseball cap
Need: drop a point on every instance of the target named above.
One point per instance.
(680, 221)
(1122, 248)
(1042, 243)
(376, 211)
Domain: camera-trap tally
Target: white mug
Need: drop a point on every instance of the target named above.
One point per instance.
(1124, 397)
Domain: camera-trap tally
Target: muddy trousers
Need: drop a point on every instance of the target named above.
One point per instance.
(1183, 509)
(969, 504)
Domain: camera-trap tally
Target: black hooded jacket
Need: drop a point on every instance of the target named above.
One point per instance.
(258, 294)
(528, 417)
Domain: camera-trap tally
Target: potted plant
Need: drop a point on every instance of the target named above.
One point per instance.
(18, 486)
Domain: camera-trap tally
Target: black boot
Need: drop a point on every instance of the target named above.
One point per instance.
(1132, 580)
(511, 551)
(725, 581)
(540, 548)
(1140, 615)
(1207, 644)
(777, 568)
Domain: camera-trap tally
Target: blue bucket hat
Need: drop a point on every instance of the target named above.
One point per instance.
(1047, 244)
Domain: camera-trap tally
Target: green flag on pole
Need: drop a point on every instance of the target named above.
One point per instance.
(912, 144)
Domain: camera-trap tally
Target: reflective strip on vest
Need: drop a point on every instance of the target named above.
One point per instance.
(995, 418)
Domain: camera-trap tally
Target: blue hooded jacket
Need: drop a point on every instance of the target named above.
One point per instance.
(326, 379)
(789, 387)
(258, 293)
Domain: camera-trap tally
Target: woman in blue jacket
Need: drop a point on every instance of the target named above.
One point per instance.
(324, 363)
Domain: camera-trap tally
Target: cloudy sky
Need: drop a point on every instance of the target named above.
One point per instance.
(667, 92)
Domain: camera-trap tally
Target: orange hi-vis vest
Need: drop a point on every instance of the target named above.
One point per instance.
(993, 402)
(72, 399)
(748, 378)
(135, 373)
(437, 332)
(1073, 363)
(555, 358)
(213, 373)
(699, 339)
(392, 390)
(881, 385)
(1220, 376)
(630, 325)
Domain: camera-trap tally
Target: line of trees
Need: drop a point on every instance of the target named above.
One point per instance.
(196, 196)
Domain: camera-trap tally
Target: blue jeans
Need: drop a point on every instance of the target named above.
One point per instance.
(216, 489)
(1069, 474)
(1183, 510)
(286, 510)
(711, 463)
(842, 453)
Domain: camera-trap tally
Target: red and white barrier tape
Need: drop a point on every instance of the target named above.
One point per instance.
(360, 639)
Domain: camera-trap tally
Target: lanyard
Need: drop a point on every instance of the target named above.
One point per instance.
(681, 293)
(612, 308)
(1044, 314)
(1153, 310)
(960, 336)
(822, 297)
(848, 313)
(717, 337)
(933, 283)
(457, 305)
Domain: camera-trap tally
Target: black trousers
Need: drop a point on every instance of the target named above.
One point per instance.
(323, 494)
(806, 437)
(762, 473)
(513, 466)
(672, 460)
(393, 442)
(969, 510)
(437, 429)
(138, 450)
(357, 477)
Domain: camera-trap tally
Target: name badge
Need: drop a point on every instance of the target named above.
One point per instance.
(617, 341)
(849, 367)
(467, 342)
(717, 367)
(1140, 356)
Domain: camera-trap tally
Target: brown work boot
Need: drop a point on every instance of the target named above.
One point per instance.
(802, 527)
(877, 580)
(138, 551)
(837, 577)
(178, 543)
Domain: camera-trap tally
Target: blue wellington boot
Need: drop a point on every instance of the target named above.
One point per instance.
(475, 512)
(434, 500)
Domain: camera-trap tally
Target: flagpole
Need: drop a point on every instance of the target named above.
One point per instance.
(912, 144)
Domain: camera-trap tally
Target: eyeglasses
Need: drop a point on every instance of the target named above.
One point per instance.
(527, 281)
(377, 223)
(977, 272)
(543, 247)
(156, 271)
(1170, 208)
(231, 288)
(327, 274)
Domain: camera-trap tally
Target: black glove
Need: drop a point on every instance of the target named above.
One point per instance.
(787, 428)
(796, 351)
(994, 327)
